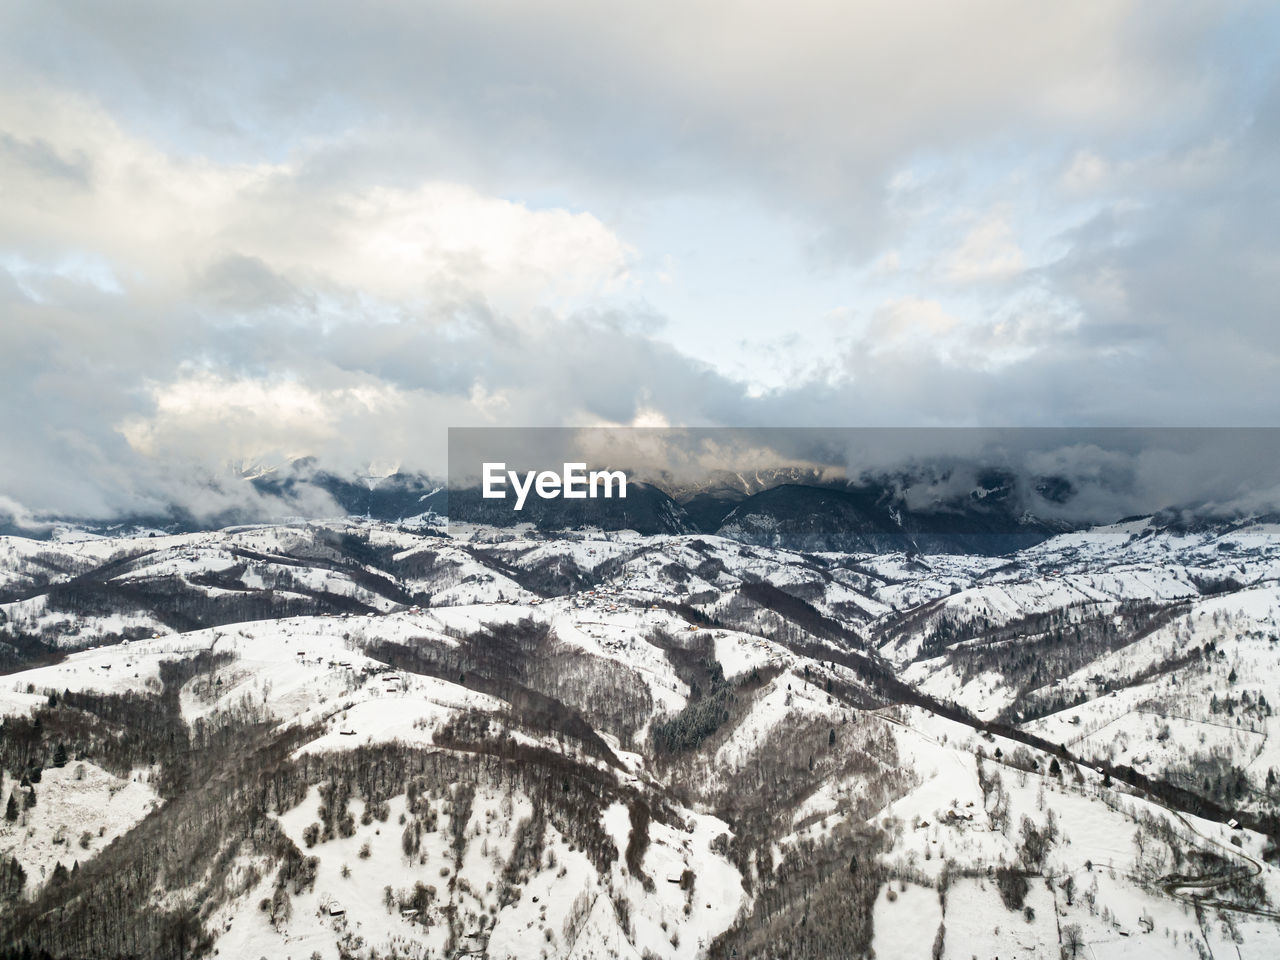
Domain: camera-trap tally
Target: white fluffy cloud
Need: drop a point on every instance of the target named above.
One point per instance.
(166, 223)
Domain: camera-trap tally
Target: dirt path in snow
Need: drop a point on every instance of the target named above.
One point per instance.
(1249, 867)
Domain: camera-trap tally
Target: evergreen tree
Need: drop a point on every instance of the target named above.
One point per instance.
(60, 755)
(11, 809)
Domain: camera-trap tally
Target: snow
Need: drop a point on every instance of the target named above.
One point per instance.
(534, 919)
(410, 717)
(978, 924)
(72, 801)
(769, 707)
(905, 920)
(740, 653)
(1155, 708)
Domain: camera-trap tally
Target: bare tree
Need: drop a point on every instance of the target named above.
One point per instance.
(1072, 939)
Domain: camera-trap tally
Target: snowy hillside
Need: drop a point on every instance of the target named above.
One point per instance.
(361, 739)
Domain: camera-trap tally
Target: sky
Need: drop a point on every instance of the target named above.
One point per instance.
(233, 234)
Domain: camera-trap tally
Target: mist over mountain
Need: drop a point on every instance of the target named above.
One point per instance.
(938, 505)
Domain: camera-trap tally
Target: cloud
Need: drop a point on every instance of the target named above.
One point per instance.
(817, 101)
(908, 321)
(167, 315)
(257, 229)
(989, 251)
(1086, 171)
(242, 416)
(235, 233)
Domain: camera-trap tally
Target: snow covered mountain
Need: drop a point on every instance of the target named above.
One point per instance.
(362, 738)
(922, 510)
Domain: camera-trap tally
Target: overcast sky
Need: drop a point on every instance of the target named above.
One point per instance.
(239, 232)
